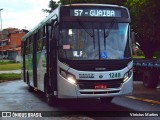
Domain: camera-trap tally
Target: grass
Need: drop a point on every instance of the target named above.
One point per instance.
(10, 76)
(10, 66)
(138, 56)
(142, 56)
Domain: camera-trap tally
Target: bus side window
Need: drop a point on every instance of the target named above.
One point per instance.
(44, 37)
(40, 44)
(29, 51)
(31, 44)
(40, 39)
(27, 46)
(24, 47)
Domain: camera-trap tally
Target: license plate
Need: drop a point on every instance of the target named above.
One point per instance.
(100, 86)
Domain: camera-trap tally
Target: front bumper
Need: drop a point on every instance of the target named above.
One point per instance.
(67, 90)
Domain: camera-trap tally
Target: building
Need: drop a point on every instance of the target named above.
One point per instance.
(10, 43)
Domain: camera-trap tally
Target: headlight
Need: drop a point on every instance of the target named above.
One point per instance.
(71, 79)
(127, 75)
(68, 76)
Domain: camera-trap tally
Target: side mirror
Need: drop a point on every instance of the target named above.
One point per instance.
(53, 22)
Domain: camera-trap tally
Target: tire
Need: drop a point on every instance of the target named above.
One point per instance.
(107, 100)
(150, 79)
(50, 99)
(30, 88)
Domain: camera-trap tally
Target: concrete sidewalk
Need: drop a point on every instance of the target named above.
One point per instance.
(11, 71)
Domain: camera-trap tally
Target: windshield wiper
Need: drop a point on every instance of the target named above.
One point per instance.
(106, 34)
(85, 28)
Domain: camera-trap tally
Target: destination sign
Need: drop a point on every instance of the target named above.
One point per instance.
(95, 12)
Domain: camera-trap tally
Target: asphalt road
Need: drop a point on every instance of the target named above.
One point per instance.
(14, 96)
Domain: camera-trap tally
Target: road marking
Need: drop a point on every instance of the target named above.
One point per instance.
(144, 100)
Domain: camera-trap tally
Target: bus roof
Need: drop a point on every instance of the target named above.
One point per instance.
(94, 4)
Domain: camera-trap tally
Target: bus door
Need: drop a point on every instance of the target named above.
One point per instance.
(52, 57)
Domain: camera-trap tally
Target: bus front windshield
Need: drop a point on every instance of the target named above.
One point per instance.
(93, 40)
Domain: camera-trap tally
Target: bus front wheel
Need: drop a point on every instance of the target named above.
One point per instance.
(50, 98)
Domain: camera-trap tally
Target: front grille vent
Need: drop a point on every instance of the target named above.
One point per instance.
(96, 65)
(103, 92)
(90, 84)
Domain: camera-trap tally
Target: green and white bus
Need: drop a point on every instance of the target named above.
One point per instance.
(80, 51)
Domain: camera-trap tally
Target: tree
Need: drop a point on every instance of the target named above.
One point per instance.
(118, 2)
(145, 24)
(52, 5)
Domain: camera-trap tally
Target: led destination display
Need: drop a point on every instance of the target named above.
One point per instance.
(95, 12)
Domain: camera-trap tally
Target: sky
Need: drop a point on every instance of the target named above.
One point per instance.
(23, 14)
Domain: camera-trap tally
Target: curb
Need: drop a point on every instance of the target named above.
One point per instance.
(11, 71)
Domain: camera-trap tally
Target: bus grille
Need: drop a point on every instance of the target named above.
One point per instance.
(103, 92)
(96, 65)
(90, 84)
